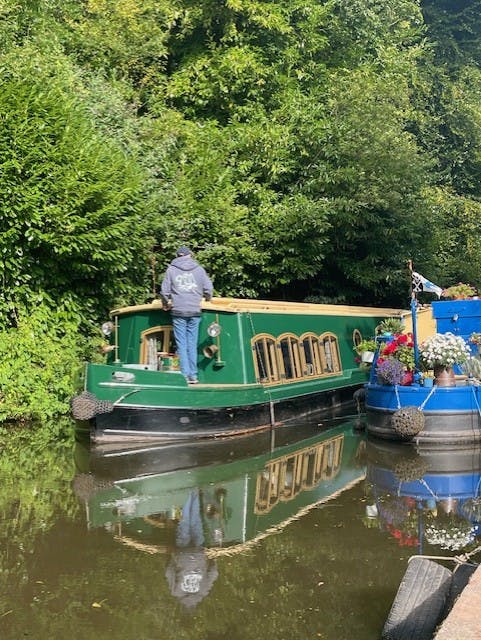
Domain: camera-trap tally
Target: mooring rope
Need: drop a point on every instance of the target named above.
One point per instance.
(422, 405)
(462, 559)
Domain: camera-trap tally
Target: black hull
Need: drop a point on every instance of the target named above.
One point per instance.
(141, 423)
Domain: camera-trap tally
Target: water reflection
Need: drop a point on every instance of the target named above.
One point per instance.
(198, 502)
(425, 498)
(281, 545)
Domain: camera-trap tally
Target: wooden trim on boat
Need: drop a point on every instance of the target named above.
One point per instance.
(237, 305)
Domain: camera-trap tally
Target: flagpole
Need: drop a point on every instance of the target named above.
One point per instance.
(414, 320)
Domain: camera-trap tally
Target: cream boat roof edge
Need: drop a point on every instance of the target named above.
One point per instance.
(235, 305)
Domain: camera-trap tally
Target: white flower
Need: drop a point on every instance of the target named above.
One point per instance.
(443, 349)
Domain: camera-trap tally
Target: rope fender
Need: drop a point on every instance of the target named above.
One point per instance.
(408, 421)
(86, 406)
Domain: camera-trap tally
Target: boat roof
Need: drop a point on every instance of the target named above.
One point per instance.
(239, 305)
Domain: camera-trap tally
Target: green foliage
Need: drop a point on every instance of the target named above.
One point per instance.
(40, 362)
(301, 148)
(71, 218)
(390, 325)
(455, 29)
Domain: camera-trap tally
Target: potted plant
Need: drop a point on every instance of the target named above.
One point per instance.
(366, 349)
(459, 291)
(390, 371)
(428, 378)
(441, 352)
(395, 364)
(401, 347)
(389, 326)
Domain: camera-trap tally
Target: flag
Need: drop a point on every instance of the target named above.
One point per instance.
(420, 283)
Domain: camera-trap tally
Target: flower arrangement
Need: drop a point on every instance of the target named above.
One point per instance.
(401, 347)
(475, 338)
(459, 291)
(396, 359)
(390, 371)
(443, 350)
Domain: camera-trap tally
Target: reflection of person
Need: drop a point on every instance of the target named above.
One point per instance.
(190, 574)
(189, 530)
(184, 284)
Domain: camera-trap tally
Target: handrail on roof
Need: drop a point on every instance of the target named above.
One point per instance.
(236, 305)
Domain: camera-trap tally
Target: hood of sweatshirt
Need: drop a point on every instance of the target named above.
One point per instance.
(185, 263)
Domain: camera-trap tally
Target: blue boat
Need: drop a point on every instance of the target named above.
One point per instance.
(431, 415)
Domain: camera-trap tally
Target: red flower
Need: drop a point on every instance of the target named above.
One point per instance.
(390, 348)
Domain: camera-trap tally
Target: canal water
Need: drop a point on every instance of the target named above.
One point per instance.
(301, 533)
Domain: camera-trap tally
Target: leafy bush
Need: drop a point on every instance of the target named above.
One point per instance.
(40, 362)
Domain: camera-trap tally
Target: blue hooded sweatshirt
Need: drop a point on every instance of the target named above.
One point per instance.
(185, 284)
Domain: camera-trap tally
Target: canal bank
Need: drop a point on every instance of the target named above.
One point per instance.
(464, 620)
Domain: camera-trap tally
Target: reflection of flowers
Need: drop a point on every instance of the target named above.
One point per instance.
(399, 517)
(450, 532)
(404, 539)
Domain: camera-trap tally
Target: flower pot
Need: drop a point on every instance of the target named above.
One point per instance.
(444, 377)
(428, 382)
(367, 356)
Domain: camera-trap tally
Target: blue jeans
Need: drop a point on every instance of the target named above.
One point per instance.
(186, 333)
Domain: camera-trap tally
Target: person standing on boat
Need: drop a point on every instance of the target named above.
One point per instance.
(184, 285)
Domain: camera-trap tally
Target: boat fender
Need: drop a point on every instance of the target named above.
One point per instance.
(419, 602)
(407, 422)
(359, 396)
(85, 406)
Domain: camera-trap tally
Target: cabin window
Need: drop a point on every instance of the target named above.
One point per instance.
(156, 342)
(310, 353)
(265, 361)
(290, 357)
(356, 337)
(330, 359)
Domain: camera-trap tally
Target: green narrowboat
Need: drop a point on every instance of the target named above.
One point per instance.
(260, 363)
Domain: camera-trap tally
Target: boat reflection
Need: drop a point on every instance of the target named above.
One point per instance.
(200, 501)
(427, 498)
